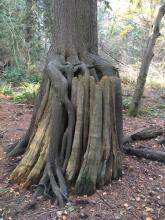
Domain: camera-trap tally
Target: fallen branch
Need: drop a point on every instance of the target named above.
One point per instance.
(144, 152)
(143, 134)
(162, 140)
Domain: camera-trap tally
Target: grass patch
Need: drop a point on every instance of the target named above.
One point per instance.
(156, 109)
(16, 76)
(6, 89)
(27, 93)
(12, 75)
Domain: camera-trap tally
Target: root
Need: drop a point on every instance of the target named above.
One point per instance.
(144, 152)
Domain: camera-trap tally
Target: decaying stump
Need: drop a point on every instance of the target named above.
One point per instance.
(75, 135)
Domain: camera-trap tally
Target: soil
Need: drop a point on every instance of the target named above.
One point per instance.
(139, 194)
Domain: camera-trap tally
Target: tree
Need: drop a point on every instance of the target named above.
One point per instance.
(147, 58)
(75, 135)
(29, 21)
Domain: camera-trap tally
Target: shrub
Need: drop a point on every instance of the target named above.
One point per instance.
(13, 75)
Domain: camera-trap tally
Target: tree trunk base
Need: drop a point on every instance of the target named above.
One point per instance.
(75, 135)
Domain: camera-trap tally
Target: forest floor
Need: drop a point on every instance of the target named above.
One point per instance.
(139, 194)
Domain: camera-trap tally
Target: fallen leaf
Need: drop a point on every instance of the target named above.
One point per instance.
(71, 209)
(64, 217)
(148, 209)
(138, 199)
(149, 218)
(125, 205)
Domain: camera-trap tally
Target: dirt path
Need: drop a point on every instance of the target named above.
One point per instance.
(138, 195)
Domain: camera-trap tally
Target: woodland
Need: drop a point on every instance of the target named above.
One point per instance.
(82, 109)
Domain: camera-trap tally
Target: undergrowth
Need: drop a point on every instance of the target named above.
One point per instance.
(16, 76)
(6, 89)
(26, 93)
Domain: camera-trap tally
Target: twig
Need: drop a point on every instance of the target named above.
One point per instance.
(105, 202)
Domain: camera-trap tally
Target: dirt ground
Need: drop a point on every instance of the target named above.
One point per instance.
(139, 194)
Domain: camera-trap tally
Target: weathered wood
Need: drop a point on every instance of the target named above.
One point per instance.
(86, 182)
(86, 82)
(77, 148)
(23, 172)
(89, 166)
(106, 134)
(116, 148)
(143, 134)
(144, 152)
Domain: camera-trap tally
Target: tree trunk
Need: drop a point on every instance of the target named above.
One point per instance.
(148, 55)
(75, 134)
(29, 21)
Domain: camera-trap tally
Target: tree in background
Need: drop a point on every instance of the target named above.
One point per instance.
(75, 135)
(147, 57)
(20, 38)
(29, 21)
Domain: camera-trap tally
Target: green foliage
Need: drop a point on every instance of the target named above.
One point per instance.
(157, 110)
(127, 26)
(13, 45)
(126, 102)
(15, 75)
(27, 94)
(12, 75)
(34, 78)
(6, 89)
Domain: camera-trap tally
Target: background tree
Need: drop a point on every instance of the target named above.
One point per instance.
(29, 21)
(147, 57)
(75, 133)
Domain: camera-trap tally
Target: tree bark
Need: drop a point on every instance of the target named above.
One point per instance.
(147, 57)
(75, 35)
(75, 136)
